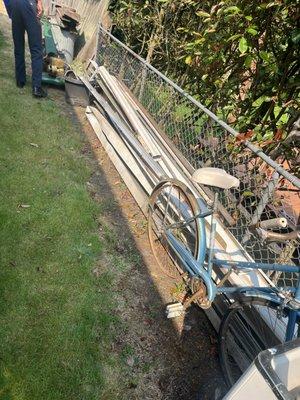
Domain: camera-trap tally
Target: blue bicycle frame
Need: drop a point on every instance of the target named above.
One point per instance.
(195, 267)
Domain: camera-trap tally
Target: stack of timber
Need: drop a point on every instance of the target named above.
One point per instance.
(144, 155)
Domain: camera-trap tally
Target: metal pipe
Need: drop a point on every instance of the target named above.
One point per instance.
(252, 265)
(273, 223)
(238, 289)
(212, 237)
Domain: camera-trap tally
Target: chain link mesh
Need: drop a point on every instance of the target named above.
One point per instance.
(263, 193)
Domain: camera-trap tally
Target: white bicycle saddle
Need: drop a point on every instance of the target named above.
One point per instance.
(215, 177)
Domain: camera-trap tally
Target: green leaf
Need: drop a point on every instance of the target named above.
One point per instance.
(199, 41)
(284, 118)
(248, 61)
(285, 12)
(181, 29)
(243, 45)
(252, 31)
(259, 137)
(232, 10)
(247, 193)
(188, 60)
(218, 83)
(249, 18)
(272, 4)
(262, 6)
(203, 14)
(296, 36)
(265, 56)
(260, 100)
(276, 111)
(268, 135)
(233, 37)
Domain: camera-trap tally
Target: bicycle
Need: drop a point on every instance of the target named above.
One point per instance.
(259, 317)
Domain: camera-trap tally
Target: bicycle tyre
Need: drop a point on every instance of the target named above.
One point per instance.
(257, 335)
(161, 214)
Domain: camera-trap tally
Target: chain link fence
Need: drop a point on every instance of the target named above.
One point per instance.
(266, 191)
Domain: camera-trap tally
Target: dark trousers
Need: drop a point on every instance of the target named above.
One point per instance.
(23, 15)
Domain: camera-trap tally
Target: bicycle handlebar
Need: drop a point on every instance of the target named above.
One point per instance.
(273, 223)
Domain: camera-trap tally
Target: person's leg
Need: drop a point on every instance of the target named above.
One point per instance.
(34, 32)
(18, 30)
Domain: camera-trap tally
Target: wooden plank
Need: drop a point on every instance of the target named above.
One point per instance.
(127, 135)
(152, 177)
(138, 129)
(142, 132)
(131, 161)
(107, 91)
(146, 171)
(134, 186)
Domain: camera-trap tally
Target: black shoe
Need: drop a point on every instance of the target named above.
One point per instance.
(38, 92)
(20, 85)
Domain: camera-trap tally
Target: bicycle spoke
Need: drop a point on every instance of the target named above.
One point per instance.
(167, 207)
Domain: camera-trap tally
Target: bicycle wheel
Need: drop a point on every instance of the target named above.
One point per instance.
(246, 329)
(172, 202)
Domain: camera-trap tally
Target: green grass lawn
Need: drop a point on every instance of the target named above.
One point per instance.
(55, 316)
